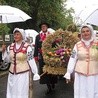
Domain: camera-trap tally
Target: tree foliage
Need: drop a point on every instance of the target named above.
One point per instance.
(4, 29)
(52, 11)
(72, 27)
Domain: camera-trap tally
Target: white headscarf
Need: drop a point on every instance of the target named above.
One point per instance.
(21, 31)
(87, 43)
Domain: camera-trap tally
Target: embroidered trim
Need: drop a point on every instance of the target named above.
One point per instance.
(30, 56)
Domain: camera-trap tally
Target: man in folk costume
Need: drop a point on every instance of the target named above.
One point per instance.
(19, 53)
(48, 79)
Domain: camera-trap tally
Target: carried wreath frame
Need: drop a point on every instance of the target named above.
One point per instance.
(54, 63)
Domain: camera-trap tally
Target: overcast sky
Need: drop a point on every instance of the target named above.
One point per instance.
(83, 8)
(79, 5)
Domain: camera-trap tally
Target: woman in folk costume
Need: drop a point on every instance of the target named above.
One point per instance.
(22, 66)
(84, 61)
(48, 79)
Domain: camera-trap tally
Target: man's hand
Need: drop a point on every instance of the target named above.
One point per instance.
(68, 80)
(3, 47)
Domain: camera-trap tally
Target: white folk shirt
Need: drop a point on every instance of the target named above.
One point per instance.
(29, 59)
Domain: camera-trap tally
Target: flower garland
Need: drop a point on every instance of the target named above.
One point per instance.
(57, 50)
(95, 46)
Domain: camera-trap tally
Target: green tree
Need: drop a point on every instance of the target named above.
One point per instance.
(72, 28)
(4, 29)
(52, 11)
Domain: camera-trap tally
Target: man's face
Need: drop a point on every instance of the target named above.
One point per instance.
(44, 28)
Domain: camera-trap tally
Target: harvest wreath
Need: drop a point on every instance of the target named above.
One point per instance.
(56, 51)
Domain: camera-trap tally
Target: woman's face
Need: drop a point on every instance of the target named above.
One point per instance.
(86, 33)
(17, 37)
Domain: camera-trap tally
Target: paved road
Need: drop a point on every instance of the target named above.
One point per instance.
(62, 89)
(3, 83)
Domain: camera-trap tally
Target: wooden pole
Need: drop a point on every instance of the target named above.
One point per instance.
(43, 74)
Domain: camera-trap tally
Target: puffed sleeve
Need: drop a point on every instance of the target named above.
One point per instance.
(71, 63)
(32, 63)
(5, 55)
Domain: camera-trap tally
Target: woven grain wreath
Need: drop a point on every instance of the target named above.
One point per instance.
(56, 51)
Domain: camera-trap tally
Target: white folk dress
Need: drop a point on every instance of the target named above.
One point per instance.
(18, 85)
(84, 86)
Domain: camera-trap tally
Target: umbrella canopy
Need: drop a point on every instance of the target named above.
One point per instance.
(92, 18)
(10, 14)
(51, 30)
(89, 15)
(30, 33)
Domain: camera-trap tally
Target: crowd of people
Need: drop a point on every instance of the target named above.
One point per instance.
(27, 64)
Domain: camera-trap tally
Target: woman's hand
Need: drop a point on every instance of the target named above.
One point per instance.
(67, 77)
(3, 47)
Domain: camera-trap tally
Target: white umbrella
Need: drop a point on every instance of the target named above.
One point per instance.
(51, 30)
(10, 14)
(89, 15)
(30, 33)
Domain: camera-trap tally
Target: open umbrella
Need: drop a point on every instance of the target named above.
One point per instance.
(10, 14)
(30, 33)
(51, 30)
(89, 15)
